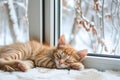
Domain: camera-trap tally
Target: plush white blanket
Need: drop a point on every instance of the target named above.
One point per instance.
(54, 74)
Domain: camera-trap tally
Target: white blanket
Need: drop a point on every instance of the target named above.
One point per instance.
(54, 74)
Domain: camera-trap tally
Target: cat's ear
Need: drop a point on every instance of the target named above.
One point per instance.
(61, 41)
(82, 54)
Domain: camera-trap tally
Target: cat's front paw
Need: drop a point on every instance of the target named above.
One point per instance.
(22, 67)
(77, 66)
(25, 65)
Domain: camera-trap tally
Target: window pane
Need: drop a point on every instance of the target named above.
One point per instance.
(92, 25)
(13, 21)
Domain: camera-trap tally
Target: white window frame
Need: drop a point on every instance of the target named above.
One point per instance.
(46, 30)
(52, 24)
(52, 21)
(102, 63)
(49, 21)
(35, 17)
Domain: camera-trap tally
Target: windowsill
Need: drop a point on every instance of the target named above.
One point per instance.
(102, 63)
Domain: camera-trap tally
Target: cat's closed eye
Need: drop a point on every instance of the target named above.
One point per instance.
(69, 60)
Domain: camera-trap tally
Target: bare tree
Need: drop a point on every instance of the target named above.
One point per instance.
(15, 17)
(100, 19)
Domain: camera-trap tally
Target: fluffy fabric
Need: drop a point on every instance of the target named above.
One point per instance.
(55, 74)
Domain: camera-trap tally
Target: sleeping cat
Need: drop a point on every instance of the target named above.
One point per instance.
(24, 56)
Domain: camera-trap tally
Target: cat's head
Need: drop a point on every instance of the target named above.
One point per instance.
(66, 56)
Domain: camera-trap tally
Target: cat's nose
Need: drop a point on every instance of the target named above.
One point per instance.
(61, 61)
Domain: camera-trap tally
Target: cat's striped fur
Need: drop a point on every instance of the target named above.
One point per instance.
(23, 56)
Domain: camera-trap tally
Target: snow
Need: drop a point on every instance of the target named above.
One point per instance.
(13, 27)
(109, 34)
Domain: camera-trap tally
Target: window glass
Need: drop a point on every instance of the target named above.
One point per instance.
(92, 25)
(13, 21)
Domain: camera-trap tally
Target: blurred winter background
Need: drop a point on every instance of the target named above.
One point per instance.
(92, 24)
(13, 21)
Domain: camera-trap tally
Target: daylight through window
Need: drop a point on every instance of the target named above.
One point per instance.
(13, 21)
(92, 25)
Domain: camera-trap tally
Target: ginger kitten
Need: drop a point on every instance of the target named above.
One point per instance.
(24, 56)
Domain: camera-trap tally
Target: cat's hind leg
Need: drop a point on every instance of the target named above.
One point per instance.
(16, 65)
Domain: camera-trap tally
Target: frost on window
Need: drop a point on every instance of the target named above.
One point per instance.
(92, 24)
(13, 21)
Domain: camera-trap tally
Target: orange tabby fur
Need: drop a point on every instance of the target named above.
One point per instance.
(23, 56)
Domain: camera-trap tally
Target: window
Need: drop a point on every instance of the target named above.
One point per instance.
(57, 22)
(93, 25)
(86, 24)
(21, 20)
(13, 21)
